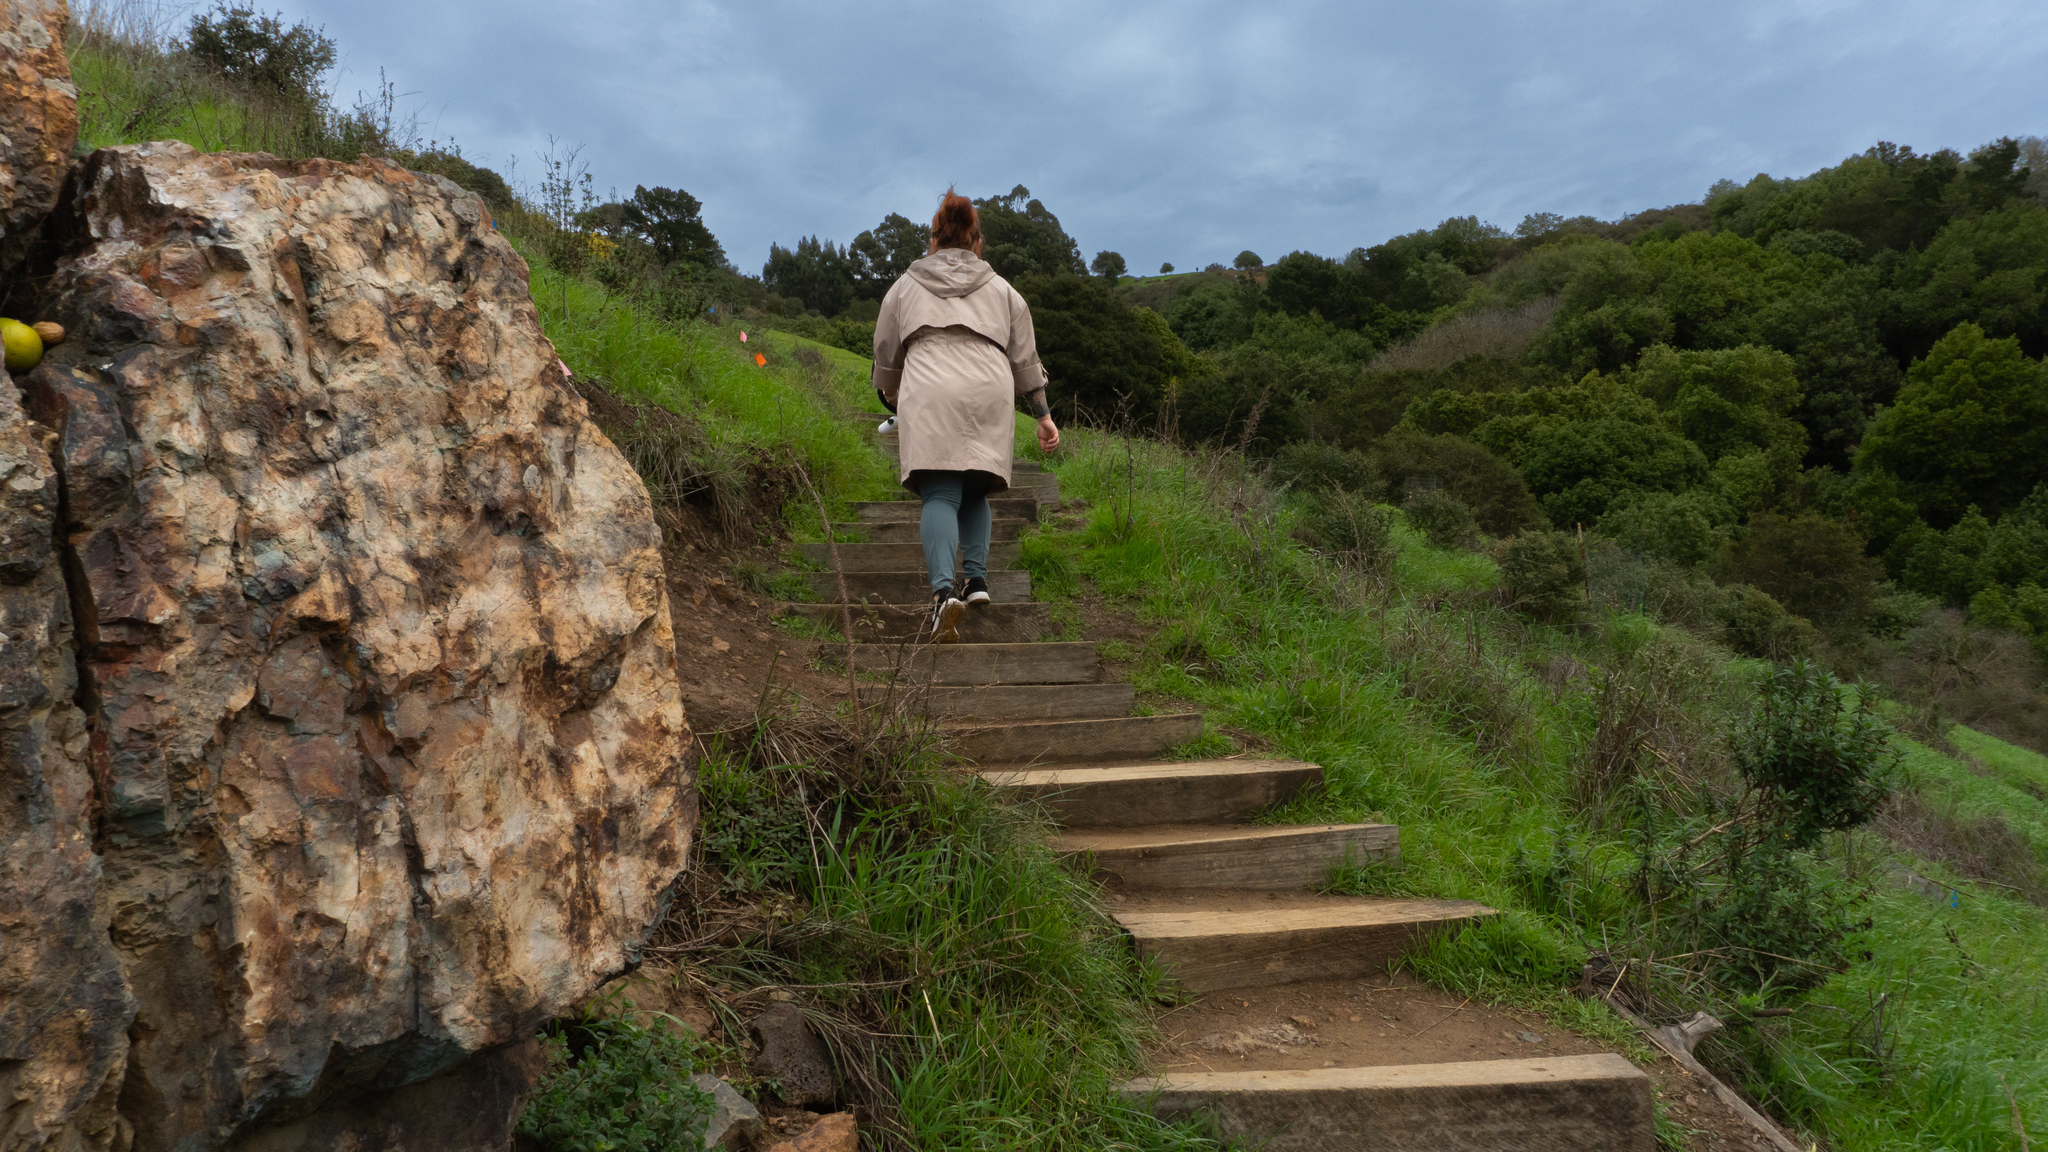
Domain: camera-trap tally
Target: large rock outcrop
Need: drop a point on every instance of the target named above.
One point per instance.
(38, 117)
(372, 755)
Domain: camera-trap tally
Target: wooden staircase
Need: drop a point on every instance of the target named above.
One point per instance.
(1220, 902)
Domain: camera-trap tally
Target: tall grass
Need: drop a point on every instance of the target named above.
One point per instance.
(136, 82)
(976, 995)
(778, 415)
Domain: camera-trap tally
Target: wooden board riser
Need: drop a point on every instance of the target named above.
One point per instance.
(1007, 585)
(1119, 800)
(896, 557)
(1273, 863)
(964, 664)
(1024, 701)
(901, 623)
(1125, 738)
(1598, 1103)
(1001, 507)
(1252, 960)
(906, 531)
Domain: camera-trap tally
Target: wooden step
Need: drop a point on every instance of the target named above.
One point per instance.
(896, 557)
(1024, 701)
(1007, 585)
(1294, 937)
(893, 449)
(1023, 506)
(1058, 741)
(1599, 1103)
(1279, 856)
(1204, 791)
(951, 664)
(905, 531)
(1019, 621)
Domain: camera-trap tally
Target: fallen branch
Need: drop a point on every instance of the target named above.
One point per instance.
(1677, 1041)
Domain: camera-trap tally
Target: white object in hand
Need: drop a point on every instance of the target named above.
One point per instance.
(886, 426)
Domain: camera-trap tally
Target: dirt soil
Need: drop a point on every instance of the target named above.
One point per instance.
(727, 638)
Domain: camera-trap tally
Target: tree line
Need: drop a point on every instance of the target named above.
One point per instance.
(1818, 403)
(1809, 415)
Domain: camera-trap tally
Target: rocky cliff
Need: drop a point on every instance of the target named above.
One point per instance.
(38, 116)
(340, 733)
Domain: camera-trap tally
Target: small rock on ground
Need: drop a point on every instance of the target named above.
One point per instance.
(734, 1122)
(834, 1133)
(793, 1056)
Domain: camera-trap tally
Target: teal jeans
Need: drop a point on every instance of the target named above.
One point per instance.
(955, 519)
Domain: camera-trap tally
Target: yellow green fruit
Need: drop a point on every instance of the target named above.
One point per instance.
(24, 347)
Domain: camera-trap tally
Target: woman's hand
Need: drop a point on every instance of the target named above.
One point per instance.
(1048, 434)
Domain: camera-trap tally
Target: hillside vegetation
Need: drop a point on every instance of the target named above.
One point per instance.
(1341, 499)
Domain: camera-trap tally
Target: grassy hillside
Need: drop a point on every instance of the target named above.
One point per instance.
(1560, 760)
(1475, 728)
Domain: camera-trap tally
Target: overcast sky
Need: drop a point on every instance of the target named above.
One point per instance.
(1189, 131)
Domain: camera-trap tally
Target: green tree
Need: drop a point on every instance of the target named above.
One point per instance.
(670, 220)
(1970, 427)
(1303, 284)
(1096, 348)
(1990, 269)
(1812, 564)
(1545, 573)
(815, 272)
(1021, 237)
(1165, 269)
(1734, 400)
(1477, 478)
(1685, 528)
(1247, 261)
(885, 252)
(260, 51)
(1108, 265)
(1211, 314)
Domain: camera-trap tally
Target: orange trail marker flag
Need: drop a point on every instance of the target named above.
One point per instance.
(760, 361)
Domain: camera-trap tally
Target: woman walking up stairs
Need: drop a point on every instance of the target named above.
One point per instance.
(954, 349)
(1222, 903)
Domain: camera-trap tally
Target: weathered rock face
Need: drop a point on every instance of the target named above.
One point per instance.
(64, 1003)
(386, 761)
(38, 116)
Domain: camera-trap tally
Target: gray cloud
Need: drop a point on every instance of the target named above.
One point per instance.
(1188, 131)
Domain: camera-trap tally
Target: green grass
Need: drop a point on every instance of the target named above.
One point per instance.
(1426, 706)
(778, 413)
(1012, 1005)
(1000, 1005)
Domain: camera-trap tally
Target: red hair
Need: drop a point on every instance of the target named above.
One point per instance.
(956, 224)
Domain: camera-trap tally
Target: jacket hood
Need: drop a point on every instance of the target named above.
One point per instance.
(951, 272)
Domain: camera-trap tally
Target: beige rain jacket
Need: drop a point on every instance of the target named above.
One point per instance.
(953, 351)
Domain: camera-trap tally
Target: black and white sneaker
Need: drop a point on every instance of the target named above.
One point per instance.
(947, 609)
(977, 591)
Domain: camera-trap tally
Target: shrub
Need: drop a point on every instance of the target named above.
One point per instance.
(1312, 464)
(1545, 573)
(1685, 528)
(614, 1086)
(1950, 671)
(1813, 565)
(448, 162)
(1486, 484)
(1349, 526)
(1755, 624)
(260, 51)
(1819, 766)
(1443, 519)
